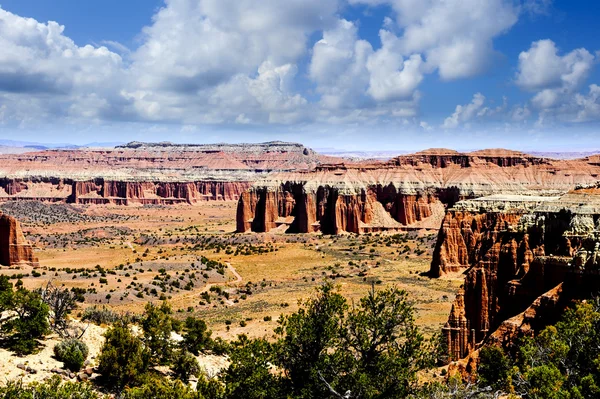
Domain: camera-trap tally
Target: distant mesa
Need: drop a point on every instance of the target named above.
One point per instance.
(148, 173)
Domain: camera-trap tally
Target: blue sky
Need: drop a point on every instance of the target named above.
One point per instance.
(346, 74)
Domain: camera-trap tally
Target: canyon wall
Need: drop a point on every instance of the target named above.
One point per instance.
(14, 249)
(330, 209)
(522, 264)
(102, 191)
(406, 191)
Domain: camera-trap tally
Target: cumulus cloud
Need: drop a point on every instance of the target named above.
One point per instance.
(38, 61)
(465, 113)
(455, 37)
(193, 45)
(556, 81)
(392, 76)
(339, 67)
(541, 67)
(242, 62)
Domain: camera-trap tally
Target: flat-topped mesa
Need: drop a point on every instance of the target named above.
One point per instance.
(515, 250)
(379, 196)
(14, 248)
(443, 158)
(148, 173)
(271, 146)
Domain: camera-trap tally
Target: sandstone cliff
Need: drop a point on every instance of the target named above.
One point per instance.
(390, 195)
(332, 209)
(14, 249)
(515, 260)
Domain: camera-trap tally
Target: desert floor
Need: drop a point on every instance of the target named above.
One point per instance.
(123, 257)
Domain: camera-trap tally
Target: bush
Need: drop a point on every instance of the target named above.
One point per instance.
(52, 388)
(72, 352)
(29, 322)
(197, 337)
(185, 366)
(123, 359)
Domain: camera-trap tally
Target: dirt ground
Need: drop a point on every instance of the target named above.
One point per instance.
(123, 257)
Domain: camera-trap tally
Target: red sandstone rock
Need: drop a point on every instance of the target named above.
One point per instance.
(329, 210)
(523, 265)
(14, 249)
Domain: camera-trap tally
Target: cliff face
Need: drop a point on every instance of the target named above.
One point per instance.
(101, 191)
(515, 259)
(330, 209)
(14, 249)
(368, 197)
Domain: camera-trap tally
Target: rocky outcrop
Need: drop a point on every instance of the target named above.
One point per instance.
(514, 260)
(332, 209)
(14, 249)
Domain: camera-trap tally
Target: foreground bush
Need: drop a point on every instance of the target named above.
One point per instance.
(123, 360)
(562, 361)
(72, 352)
(50, 389)
(24, 318)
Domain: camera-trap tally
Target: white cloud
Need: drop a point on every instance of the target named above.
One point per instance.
(556, 80)
(455, 37)
(541, 67)
(520, 113)
(39, 63)
(588, 105)
(393, 77)
(339, 67)
(193, 45)
(465, 113)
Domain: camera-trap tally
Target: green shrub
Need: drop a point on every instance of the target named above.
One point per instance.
(72, 352)
(123, 359)
(53, 388)
(185, 366)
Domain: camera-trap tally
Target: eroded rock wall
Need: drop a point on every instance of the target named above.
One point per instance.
(330, 209)
(511, 259)
(103, 191)
(14, 249)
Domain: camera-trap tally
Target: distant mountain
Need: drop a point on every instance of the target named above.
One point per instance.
(359, 155)
(31, 145)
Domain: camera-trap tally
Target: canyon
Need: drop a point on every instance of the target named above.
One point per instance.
(406, 192)
(148, 173)
(524, 259)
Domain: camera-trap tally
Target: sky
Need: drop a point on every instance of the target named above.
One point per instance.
(338, 74)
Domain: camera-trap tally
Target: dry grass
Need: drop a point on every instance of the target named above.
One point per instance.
(276, 280)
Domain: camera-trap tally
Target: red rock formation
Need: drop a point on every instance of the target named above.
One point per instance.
(348, 196)
(514, 258)
(462, 236)
(329, 210)
(14, 249)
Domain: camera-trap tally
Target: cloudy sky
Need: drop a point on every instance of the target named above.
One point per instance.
(345, 74)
